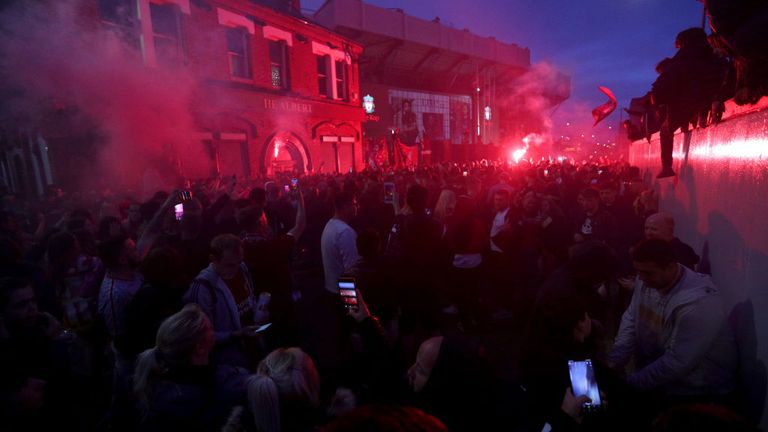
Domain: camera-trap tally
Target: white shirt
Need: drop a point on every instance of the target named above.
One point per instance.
(498, 222)
(339, 248)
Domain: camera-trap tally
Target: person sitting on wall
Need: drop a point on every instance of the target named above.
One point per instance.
(687, 85)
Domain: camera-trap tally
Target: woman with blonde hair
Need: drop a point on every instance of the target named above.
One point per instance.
(173, 381)
(445, 207)
(283, 395)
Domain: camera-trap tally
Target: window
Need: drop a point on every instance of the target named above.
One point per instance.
(120, 12)
(238, 52)
(341, 80)
(278, 63)
(323, 76)
(166, 33)
(120, 16)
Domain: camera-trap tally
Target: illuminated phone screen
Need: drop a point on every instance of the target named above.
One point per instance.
(583, 381)
(178, 210)
(348, 292)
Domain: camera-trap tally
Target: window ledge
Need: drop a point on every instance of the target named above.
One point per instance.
(240, 79)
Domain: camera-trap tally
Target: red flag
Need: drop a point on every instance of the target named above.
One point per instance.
(605, 109)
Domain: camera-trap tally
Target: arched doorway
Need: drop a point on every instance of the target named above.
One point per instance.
(336, 146)
(285, 152)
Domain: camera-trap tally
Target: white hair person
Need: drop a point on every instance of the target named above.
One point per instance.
(287, 374)
(185, 338)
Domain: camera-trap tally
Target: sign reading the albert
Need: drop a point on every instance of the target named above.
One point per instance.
(288, 105)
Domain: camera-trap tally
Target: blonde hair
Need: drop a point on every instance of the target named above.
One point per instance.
(177, 338)
(285, 373)
(447, 199)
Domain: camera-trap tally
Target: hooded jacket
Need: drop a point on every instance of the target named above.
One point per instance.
(681, 340)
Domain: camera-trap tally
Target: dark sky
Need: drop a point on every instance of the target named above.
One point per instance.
(615, 43)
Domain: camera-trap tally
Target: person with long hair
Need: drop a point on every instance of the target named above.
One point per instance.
(445, 207)
(283, 395)
(173, 382)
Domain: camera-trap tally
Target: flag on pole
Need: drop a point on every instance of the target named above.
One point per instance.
(605, 109)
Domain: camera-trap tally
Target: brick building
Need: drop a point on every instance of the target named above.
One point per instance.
(273, 91)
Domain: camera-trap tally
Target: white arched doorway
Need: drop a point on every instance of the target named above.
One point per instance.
(285, 152)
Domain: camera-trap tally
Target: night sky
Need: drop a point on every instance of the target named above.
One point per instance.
(615, 43)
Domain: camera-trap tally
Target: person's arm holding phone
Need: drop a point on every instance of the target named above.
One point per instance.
(625, 344)
(570, 414)
(152, 231)
(301, 217)
(374, 341)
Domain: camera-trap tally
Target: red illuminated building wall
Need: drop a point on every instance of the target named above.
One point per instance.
(288, 101)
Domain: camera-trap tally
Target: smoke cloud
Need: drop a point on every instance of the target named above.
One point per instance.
(534, 94)
(56, 56)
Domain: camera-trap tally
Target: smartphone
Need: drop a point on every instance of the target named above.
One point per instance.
(287, 188)
(294, 185)
(583, 382)
(465, 173)
(178, 210)
(262, 328)
(389, 192)
(348, 292)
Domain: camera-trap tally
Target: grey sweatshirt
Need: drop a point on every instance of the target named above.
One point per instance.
(681, 340)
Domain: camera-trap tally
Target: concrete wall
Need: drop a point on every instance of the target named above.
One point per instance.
(720, 203)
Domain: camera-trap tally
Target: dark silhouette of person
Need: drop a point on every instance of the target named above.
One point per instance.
(686, 87)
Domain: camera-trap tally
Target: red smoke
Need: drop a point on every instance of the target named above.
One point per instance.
(51, 52)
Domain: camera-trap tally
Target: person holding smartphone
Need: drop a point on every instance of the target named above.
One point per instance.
(559, 331)
(269, 255)
(225, 292)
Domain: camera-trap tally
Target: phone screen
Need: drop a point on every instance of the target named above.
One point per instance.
(294, 184)
(583, 381)
(262, 328)
(348, 292)
(178, 210)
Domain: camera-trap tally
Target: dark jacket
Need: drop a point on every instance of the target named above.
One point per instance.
(684, 254)
(194, 398)
(459, 388)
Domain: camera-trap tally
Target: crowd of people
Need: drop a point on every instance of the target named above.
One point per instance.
(477, 287)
